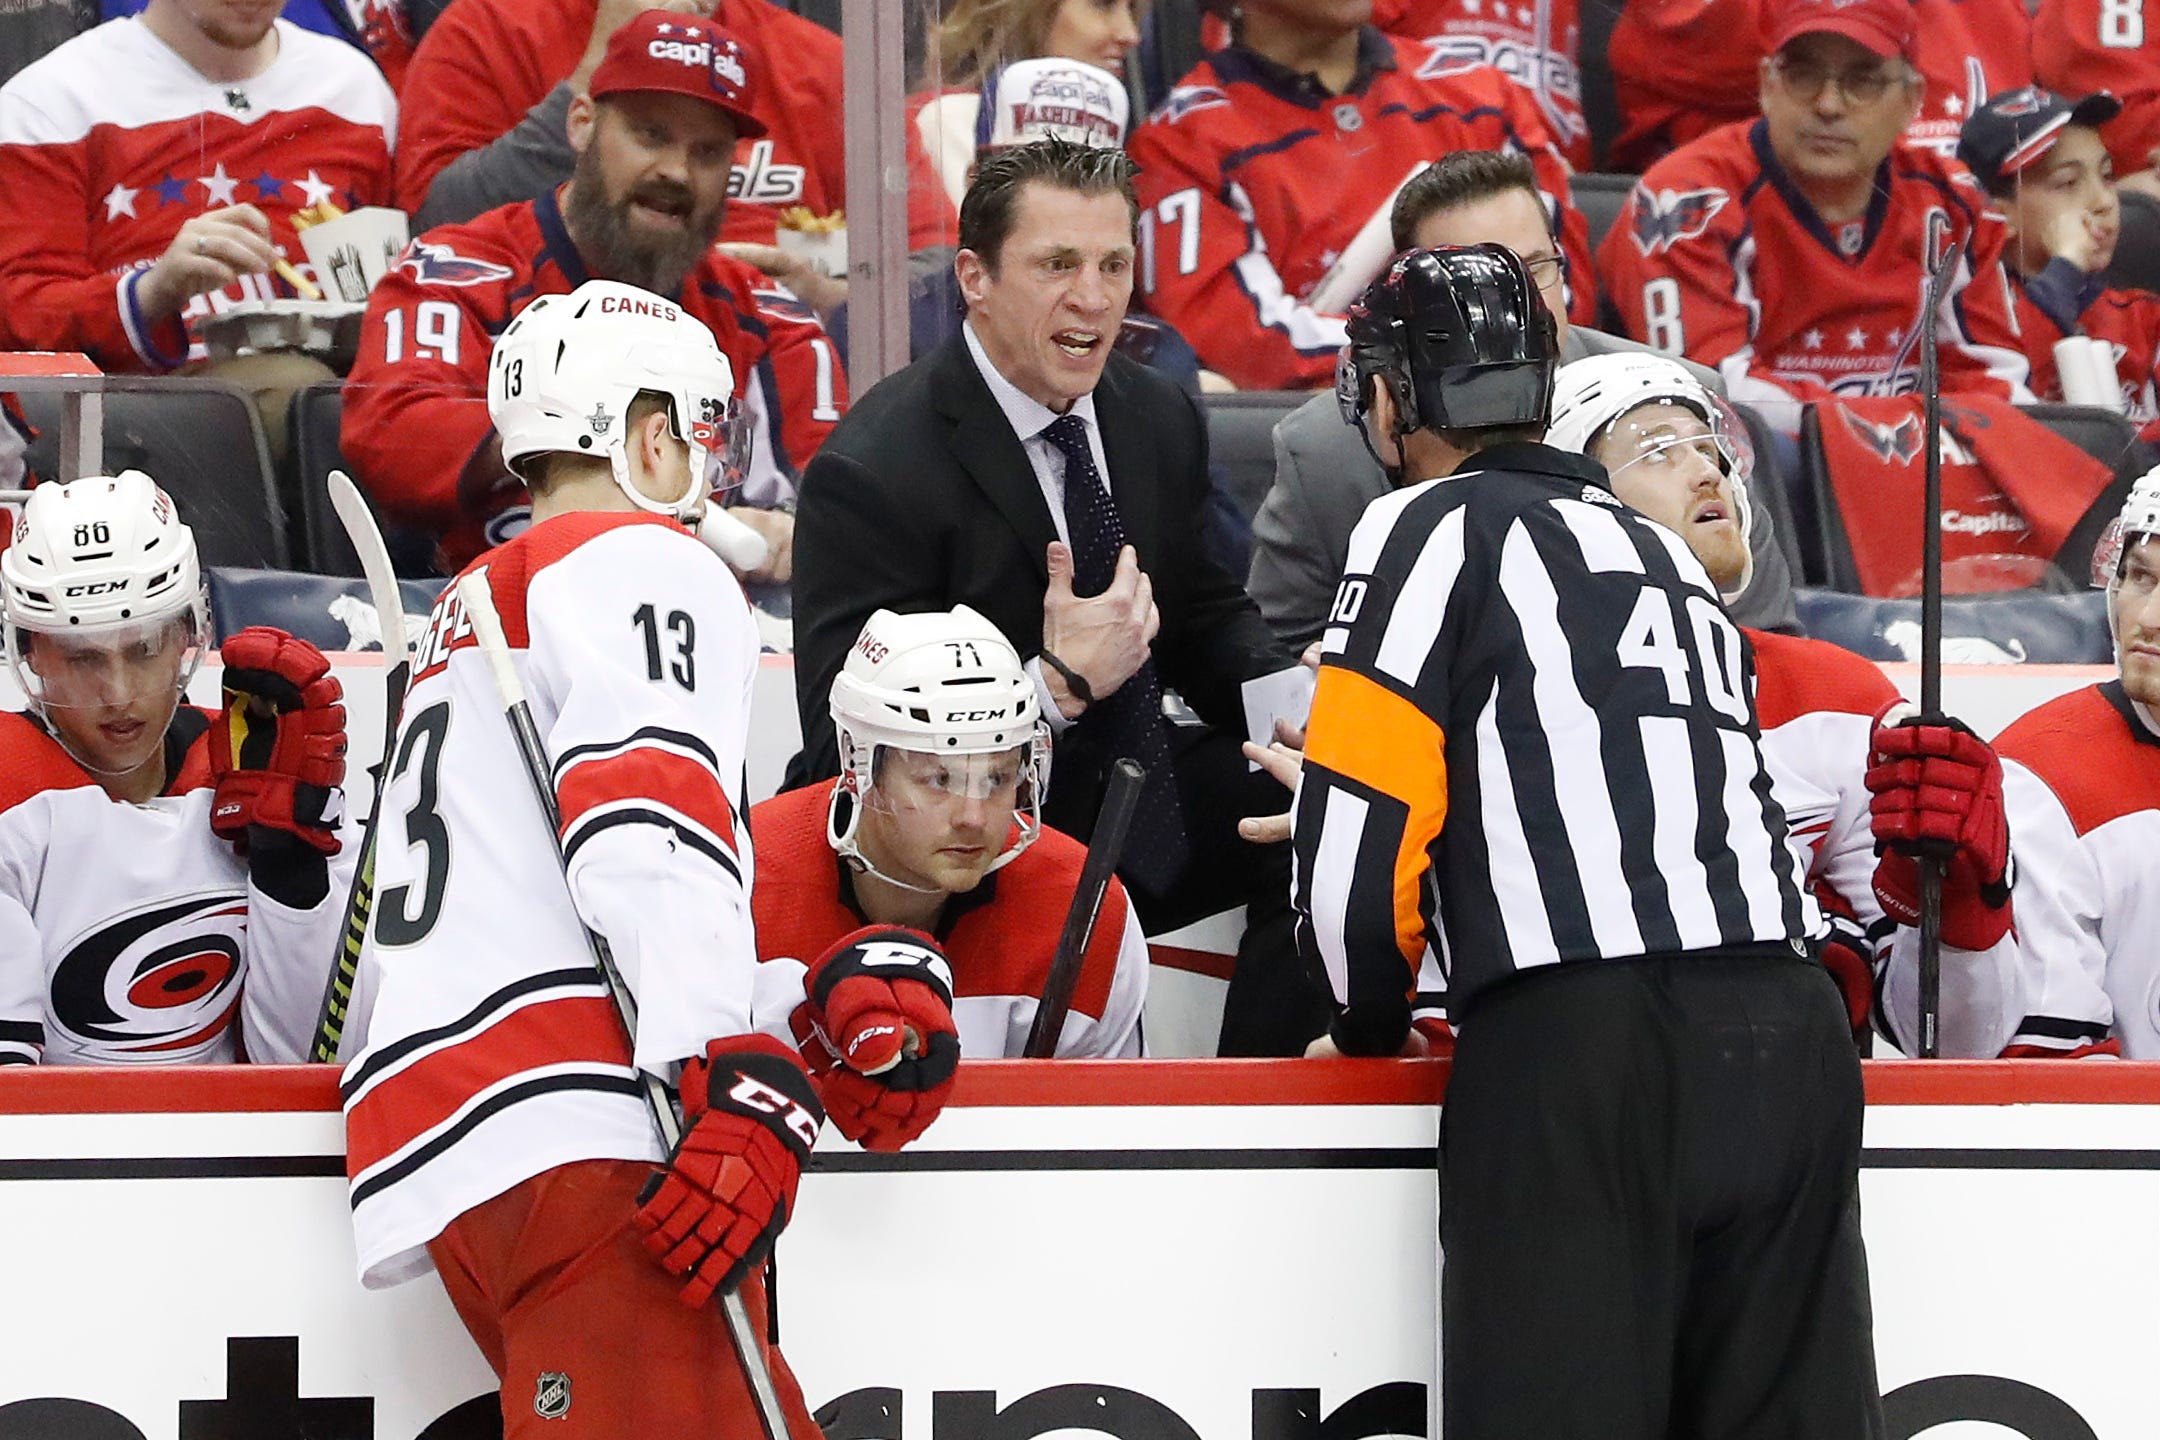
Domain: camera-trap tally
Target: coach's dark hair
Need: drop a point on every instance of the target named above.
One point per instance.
(986, 211)
(1461, 178)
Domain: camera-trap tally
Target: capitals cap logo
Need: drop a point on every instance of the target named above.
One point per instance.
(431, 264)
(1663, 218)
(2020, 102)
(1189, 99)
(721, 57)
(1899, 442)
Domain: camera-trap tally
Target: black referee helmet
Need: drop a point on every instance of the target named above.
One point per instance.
(1460, 337)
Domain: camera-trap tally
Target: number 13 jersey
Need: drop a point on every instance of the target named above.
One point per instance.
(492, 1049)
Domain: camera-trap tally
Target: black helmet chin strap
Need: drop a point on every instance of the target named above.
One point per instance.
(1393, 472)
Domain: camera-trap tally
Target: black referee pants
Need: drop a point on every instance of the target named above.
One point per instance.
(1649, 1207)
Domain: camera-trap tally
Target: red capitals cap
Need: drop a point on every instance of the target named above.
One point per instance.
(1885, 27)
(679, 55)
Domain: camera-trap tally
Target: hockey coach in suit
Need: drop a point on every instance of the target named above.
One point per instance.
(1026, 471)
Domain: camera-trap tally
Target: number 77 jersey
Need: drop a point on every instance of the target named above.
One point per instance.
(415, 421)
(492, 1051)
(1533, 743)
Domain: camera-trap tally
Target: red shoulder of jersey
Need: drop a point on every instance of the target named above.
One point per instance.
(1795, 676)
(2082, 745)
(32, 762)
(1010, 943)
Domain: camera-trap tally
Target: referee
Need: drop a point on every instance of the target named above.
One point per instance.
(1533, 752)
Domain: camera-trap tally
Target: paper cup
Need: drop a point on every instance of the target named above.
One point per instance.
(355, 250)
(2087, 370)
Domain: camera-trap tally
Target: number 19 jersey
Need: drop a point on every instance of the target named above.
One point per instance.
(492, 1051)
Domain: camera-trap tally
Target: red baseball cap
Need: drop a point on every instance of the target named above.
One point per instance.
(1884, 27)
(679, 54)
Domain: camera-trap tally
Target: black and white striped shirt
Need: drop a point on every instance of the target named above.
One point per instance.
(1533, 742)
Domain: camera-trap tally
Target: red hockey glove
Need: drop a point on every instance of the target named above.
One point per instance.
(1937, 790)
(277, 751)
(1849, 958)
(878, 1033)
(711, 1217)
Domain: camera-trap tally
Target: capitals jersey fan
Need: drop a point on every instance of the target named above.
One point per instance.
(2127, 320)
(1718, 256)
(1253, 182)
(1534, 43)
(2079, 972)
(492, 1050)
(1000, 937)
(110, 143)
(2079, 46)
(484, 63)
(132, 935)
(1682, 68)
(1532, 744)
(416, 423)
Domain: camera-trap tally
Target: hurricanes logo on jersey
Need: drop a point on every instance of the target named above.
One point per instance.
(161, 981)
(1663, 218)
(1899, 442)
(440, 265)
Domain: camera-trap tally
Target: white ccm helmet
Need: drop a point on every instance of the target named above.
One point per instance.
(1589, 395)
(943, 683)
(95, 556)
(2140, 517)
(563, 376)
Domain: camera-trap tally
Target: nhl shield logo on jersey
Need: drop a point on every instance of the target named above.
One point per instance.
(1899, 442)
(162, 981)
(1663, 218)
(431, 264)
(551, 1396)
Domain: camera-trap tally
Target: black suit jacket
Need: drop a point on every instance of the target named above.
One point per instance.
(922, 499)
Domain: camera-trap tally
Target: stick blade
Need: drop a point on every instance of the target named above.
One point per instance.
(367, 542)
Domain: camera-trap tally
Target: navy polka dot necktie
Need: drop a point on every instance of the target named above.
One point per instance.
(1129, 721)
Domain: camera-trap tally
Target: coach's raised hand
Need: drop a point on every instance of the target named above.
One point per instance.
(1103, 638)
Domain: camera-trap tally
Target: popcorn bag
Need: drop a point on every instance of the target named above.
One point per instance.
(351, 251)
(819, 239)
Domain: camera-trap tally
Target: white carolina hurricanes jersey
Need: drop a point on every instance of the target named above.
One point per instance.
(492, 1052)
(2081, 783)
(130, 934)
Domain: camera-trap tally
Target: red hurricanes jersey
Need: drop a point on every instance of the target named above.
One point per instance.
(1682, 68)
(485, 63)
(1000, 939)
(1253, 183)
(2079, 46)
(132, 935)
(112, 141)
(492, 1052)
(1717, 256)
(1535, 43)
(2128, 320)
(416, 403)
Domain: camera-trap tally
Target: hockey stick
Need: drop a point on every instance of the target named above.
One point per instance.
(1932, 866)
(367, 543)
(1102, 857)
(479, 603)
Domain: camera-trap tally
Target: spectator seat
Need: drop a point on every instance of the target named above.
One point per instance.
(319, 542)
(2137, 248)
(1241, 440)
(1599, 197)
(2021, 626)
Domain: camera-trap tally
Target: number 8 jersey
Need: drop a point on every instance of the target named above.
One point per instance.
(492, 1051)
(1533, 743)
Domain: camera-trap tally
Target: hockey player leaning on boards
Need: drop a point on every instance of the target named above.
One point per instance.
(935, 823)
(164, 870)
(494, 1123)
(2079, 779)
(1532, 750)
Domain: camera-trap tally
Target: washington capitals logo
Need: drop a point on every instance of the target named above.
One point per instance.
(1186, 99)
(440, 265)
(1899, 442)
(1663, 218)
(2020, 102)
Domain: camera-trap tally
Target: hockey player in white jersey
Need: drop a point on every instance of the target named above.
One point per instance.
(494, 1126)
(165, 871)
(1681, 456)
(2079, 794)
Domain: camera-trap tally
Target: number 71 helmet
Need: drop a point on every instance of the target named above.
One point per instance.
(941, 683)
(563, 375)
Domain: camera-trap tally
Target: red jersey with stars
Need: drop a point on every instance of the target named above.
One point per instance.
(110, 143)
(1682, 68)
(486, 62)
(416, 414)
(1535, 43)
(2079, 46)
(1253, 181)
(1717, 256)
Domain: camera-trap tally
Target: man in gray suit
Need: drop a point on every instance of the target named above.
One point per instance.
(1324, 475)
